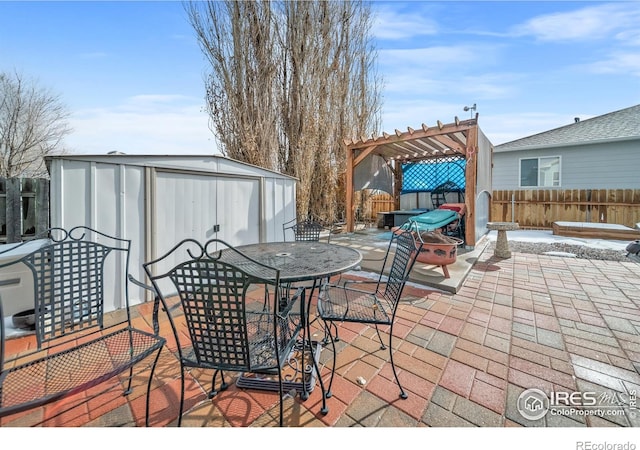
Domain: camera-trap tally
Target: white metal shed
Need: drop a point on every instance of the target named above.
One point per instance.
(158, 200)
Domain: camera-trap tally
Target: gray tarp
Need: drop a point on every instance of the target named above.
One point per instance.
(373, 173)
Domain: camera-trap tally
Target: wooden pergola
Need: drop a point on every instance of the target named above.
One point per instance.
(459, 138)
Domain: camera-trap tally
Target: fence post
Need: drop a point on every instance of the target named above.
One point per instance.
(42, 205)
(14, 222)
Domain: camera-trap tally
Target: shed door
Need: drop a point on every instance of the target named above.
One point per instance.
(238, 201)
(203, 207)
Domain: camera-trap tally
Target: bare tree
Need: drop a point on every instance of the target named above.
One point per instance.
(289, 80)
(237, 38)
(32, 126)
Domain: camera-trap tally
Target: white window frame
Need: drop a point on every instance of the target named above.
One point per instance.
(538, 185)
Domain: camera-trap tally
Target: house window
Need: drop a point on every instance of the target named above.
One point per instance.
(540, 172)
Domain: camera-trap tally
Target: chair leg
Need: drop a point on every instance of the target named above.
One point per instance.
(223, 385)
(382, 346)
(281, 393)
(327, 331)
(153, 369)
(127, 391)
(335, 327)
(328, 394)
(181, 395)
(403, 394)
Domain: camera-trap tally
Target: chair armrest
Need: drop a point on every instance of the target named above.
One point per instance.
(156, 301)
(141, 284)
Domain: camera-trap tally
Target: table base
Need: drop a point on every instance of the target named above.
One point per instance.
(293, 373)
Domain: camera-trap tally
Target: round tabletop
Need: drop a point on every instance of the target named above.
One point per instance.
(300, 260)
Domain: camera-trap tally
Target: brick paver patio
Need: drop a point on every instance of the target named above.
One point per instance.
(563, 325)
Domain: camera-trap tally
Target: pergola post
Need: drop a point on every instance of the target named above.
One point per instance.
(349, 206)
(471, 173)
(397, 184)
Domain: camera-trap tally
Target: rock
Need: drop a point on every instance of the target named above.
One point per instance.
(566, 250)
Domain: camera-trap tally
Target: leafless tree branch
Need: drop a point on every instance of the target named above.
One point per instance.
(33, 122)
(288, 81)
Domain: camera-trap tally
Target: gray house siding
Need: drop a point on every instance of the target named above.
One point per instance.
(611, 165)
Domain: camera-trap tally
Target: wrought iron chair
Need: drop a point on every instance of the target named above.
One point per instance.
(442, 193)
(305, 230)
(376, 306)
(77, 348)
(226, 330)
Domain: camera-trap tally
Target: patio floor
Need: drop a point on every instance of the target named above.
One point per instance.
(562, 325)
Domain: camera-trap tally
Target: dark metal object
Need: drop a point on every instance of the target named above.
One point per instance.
(439, 194)
(25, 319)
(378, 305)
(633, 248)
(226, 332)
(305, 230)
(297, 370)
(68, 276)
(299, 262)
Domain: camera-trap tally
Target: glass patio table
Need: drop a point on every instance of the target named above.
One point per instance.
(300, 261)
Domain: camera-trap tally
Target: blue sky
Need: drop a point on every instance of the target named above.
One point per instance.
(132, 74)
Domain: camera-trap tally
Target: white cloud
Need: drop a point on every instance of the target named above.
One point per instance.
(625, 63)
(439, 70)
(593, 22)
(392, 24)
(629, 37)
(146, 124)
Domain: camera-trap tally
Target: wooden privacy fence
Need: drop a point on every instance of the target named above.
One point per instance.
(24, 208)
(540, 208)
(380, 203)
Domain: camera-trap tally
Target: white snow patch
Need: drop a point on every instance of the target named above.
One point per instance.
(547, 236)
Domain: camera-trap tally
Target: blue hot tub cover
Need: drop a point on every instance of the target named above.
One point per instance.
(431, 220)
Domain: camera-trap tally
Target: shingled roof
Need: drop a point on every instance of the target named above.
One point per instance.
(614, 126)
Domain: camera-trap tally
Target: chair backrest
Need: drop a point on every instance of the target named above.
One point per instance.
(306, 230)
(69, 279)
(439, 194)
(215, 292)
(405, 251)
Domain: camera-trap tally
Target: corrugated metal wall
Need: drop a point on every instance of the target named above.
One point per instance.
(157, 200)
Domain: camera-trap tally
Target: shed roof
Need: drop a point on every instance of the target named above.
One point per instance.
(195, 162)
(614, 126)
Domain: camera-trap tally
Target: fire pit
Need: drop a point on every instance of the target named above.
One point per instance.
(24, 320)
(438, 250)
